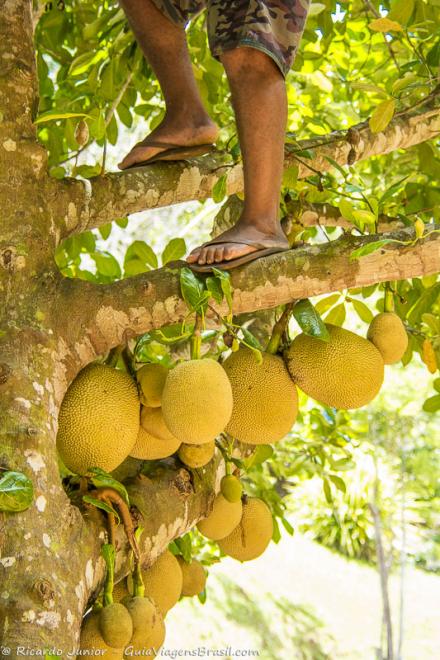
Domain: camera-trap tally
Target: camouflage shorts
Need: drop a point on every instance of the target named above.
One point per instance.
(272, 26)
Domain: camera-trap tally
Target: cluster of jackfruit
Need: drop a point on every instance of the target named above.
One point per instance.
(348, 370)
(105, 417)
(242, 526)
(134, 624)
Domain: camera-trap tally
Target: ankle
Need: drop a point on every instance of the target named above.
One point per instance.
(187, 114)
(267, 224)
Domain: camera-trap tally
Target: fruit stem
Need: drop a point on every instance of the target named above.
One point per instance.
(389, 298)
(112, 496)
(279, 329)
(196, 339)
(114, 355)
(108, 552)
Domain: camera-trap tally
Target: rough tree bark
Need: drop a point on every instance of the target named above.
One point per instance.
(51, 327)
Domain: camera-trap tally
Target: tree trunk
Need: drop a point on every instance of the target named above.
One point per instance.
(50, 565)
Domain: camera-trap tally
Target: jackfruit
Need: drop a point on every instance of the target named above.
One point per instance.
(99, 419)
(345, 372)
(120, 591)
(196, 456)
(388, 334)
(231, 488)
(115, 625)
(143, 614)
(253, 534)
(163, 581)
(151, 379)
(224, 517)
(158, 635)
(194, 577)
(265, 398)
(197, 401)
(154, 440)
(91, 642)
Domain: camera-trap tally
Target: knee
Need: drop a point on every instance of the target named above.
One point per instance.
(248, 61)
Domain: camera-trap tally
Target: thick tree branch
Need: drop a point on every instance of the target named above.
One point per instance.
(104, 316)
(85, 205)
(167, 504)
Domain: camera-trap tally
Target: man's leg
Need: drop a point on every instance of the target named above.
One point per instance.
(260, 102)
(163, 43)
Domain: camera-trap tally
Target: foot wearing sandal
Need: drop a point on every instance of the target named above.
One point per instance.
(188, 132)
(244, 242)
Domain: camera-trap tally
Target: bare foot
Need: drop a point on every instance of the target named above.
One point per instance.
(178, 132)
(232, 248)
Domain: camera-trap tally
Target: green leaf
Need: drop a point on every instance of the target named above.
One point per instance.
(262, 453)
(363, 311)
(101, 505)
(336, 165)
(169, 335)
(140, 250)
(369, 248)
(432, 404)
(327, 490)
(219, 189)
(105, 230)
(215, 290)
(53, 115)
(102, 479)
(339, 483)
(337, 315)
(364, 217)
(385, 25)
(290, 176)
(323, 305)
(174, 251)
(382, 116)
(287, 526)
(346, 209)
(193, 290)
(226, 285)
(16, 492)
(251, 340)
(309, 320)
(107, 265)
(276, 534)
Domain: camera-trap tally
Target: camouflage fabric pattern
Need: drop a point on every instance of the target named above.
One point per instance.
(272, 26)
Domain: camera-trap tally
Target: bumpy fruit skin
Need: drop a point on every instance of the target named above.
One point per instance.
(143, 614)
(91, 640)
(152, 648)
(151, 379)
(265, 398)
(345, 372)
(252, 536)
(223, 518)
(120, 591)
(115, 625)
(163, 582)
(196, 456)
(388, 334)
(197, 401)
(231, 488)
(154, 439)
(99, 419)
(194, 577)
